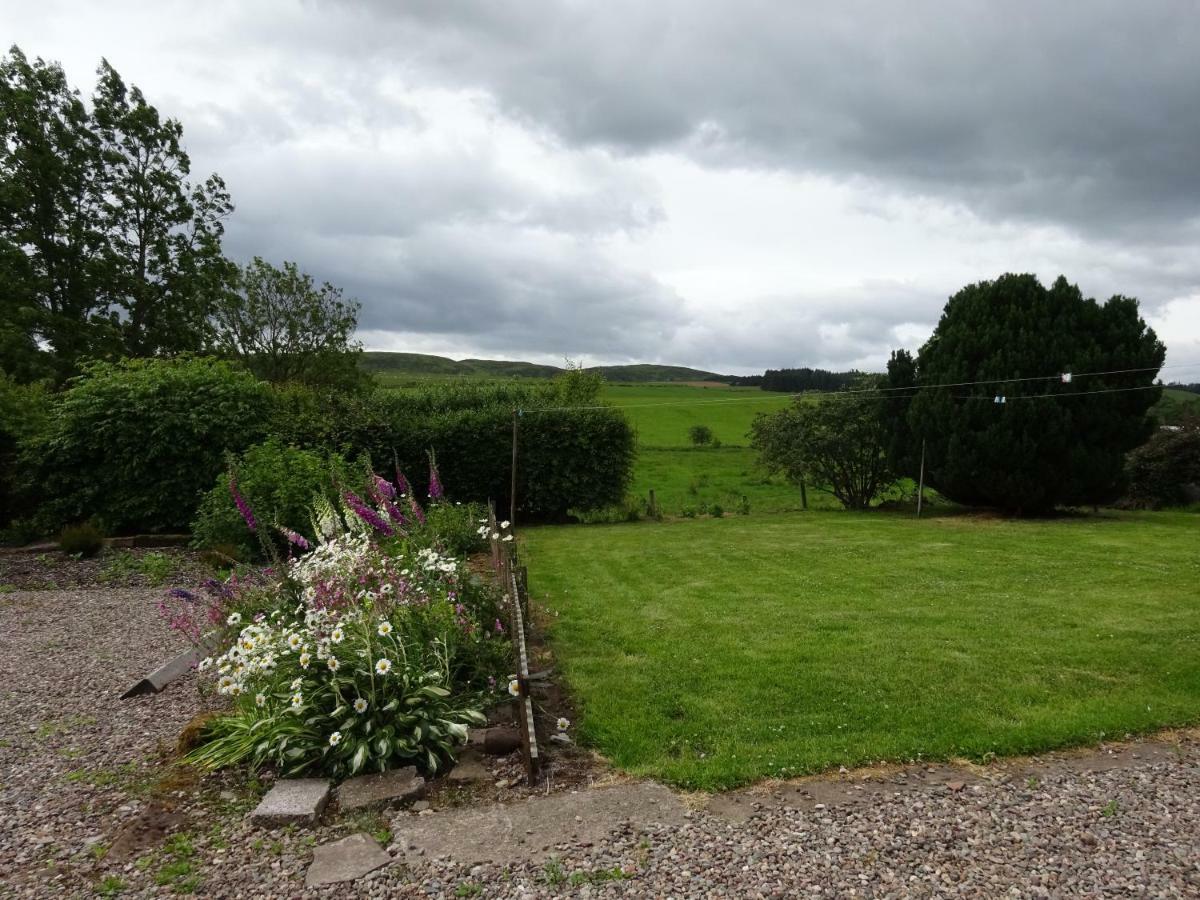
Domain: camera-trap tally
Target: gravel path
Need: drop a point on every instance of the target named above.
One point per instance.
(88, 803)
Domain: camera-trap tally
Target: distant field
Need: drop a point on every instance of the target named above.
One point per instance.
(663, 413)
(714, 652)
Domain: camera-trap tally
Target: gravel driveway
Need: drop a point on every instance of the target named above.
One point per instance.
(89, 805)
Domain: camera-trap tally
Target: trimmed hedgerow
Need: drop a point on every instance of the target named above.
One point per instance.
(571, 455)
(135, 444)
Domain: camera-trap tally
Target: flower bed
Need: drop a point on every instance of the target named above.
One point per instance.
(371, 648)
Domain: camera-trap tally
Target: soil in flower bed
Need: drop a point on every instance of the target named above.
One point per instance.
(111, 568)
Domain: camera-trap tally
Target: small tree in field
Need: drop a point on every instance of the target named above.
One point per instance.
(837, 444)
(700, 435)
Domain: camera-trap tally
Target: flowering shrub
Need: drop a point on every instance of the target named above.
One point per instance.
(367, 648)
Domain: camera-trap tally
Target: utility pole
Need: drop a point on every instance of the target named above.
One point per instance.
(921, 485)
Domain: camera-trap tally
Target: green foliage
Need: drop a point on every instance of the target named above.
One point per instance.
(105, 246)
(1031, 455)
(456, 527)
(1163, 470)
(284, 327)
(136, 443)
(279, 483)
(569, 458)
(84, 540)
(837, 444)
(700, 435)
(24, 411)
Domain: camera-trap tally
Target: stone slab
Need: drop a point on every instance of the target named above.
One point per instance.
(176, 667)
(528, 830)
(298, 801)
(469, 767)
(380, 790)
(345, 860)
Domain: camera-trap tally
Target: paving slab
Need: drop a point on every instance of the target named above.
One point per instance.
(469, 767)
(293, 801)
(380, 790)
(345, 860)
(513, 832)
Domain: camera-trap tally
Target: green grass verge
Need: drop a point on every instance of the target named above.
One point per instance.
(711, 653)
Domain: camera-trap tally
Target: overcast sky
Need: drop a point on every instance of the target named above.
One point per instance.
(729, 185)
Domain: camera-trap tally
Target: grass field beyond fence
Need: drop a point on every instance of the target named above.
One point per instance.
(710, 653)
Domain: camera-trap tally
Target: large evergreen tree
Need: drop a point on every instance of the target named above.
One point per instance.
(1050, 443)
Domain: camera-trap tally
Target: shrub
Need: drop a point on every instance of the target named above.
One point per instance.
(136, 444)
(700, 435)
(1162, 470)
(454, 527)
(716, 511)
(83, 540)
(279, 484)
(24, 411)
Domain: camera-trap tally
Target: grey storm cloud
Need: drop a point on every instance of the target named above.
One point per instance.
(516, 178)
(1084, 113)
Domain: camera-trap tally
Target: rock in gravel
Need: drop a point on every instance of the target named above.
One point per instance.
(469, 767)
(345, 860)
(292, 801)
(381, 790)
(498, 741)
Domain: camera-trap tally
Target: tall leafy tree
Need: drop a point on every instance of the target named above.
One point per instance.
(165, 269)
(52, 240)
(1051, 442)
(286, 327)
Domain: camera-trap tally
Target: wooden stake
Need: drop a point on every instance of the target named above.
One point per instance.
(512, 490)
(803, 494)
(921, 485)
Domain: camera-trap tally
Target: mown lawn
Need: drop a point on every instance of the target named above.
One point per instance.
(710, 653)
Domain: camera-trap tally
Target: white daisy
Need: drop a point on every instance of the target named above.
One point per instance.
(297, 700)
(337, 635)
(296, 683)
(234, 618)
(260, 699)
(305, 659)
(384, 629)
(383, 666)
(294, 641)
(360, 705)
(562, 724)
(335, 739)
(333, 664)
(514, 688)
(504, 524)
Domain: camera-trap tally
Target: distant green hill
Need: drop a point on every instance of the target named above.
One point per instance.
(421, 365)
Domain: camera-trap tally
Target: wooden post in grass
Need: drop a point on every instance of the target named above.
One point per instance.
(652, 510)
(921, 483)
(803, 494)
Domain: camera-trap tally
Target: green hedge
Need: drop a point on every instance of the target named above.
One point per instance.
(569, 458)
(135, 444)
